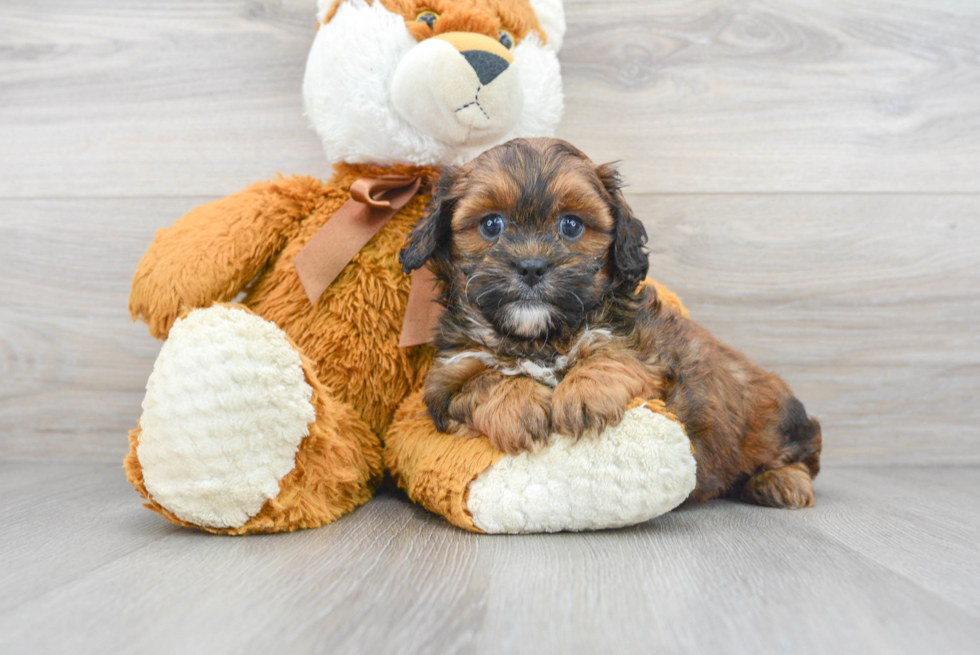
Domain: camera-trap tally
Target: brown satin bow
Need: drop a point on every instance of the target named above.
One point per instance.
(373, 202)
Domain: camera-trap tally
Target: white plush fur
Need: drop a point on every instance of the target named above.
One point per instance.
(225, 410)
(348, 82)
(636, 471)
(551, 15)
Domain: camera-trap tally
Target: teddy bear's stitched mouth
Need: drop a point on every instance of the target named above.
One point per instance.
(475, 101)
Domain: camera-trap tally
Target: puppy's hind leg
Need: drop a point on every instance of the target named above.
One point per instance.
(789, 485)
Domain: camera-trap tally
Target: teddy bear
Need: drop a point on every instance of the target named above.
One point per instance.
(295, 347)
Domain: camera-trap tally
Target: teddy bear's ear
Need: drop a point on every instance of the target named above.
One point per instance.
(323, 7)
(551, 15)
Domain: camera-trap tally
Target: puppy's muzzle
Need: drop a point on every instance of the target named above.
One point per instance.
(532, 271)
(460, 87)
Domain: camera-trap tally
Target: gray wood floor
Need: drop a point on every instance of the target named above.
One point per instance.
(809, 174)
(887, 562)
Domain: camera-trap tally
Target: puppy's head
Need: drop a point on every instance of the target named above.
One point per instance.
(532, 237)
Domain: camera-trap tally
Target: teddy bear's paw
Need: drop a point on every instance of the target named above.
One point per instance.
(630, 473)
(226, 408)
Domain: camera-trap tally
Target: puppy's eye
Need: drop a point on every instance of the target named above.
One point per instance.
(506, 39)
(491, 226)
(571, 227)
(427, 17)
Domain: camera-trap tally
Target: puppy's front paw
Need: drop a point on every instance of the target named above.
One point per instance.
(516, 416)
(579, 406)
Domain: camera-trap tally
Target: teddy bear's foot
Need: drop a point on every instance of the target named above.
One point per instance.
(238, 435)
(631, 473)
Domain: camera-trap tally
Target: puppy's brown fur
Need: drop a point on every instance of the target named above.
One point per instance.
(545, 329)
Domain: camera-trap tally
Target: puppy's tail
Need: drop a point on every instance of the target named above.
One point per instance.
(801, 435)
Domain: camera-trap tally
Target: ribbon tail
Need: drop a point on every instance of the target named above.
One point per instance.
(423, 312)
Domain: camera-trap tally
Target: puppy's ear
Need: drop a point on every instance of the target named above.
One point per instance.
(432, 230)
(629, 253)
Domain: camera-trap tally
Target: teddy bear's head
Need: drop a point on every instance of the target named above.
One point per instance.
(432, 82)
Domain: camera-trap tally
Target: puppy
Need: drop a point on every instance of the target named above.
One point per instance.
(548, 329)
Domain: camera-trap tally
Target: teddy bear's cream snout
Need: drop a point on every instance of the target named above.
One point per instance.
(459, 87)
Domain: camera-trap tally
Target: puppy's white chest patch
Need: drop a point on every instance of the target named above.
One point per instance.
(548, 373)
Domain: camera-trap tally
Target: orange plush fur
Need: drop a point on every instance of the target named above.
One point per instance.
(348, 340)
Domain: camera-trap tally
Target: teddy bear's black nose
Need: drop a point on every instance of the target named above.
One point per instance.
(486, 64)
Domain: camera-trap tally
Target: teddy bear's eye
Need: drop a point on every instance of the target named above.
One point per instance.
(427, 17)
(506, 39)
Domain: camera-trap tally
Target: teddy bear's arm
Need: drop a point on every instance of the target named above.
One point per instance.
(213, 252)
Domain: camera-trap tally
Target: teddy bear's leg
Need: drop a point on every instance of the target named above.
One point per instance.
(631, 473)
(435, 469)
(238, 435)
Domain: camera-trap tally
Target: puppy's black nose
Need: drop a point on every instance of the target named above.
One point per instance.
(532, 271)
(486, 64)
